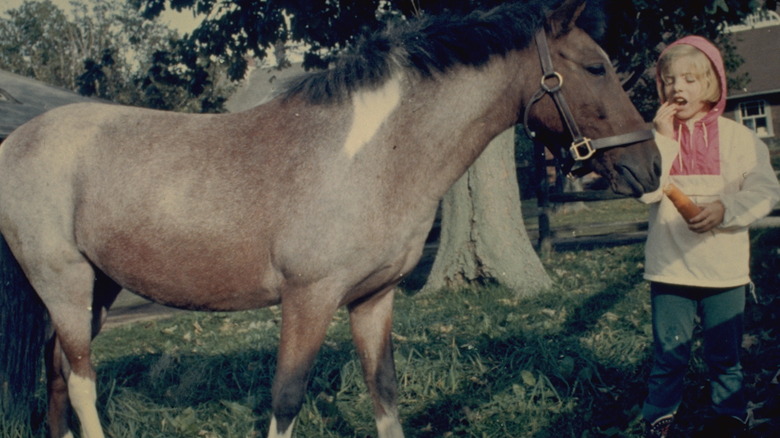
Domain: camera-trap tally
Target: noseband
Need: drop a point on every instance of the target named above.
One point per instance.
(582, 148)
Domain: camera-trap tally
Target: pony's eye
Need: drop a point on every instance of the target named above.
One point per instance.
(596, 69)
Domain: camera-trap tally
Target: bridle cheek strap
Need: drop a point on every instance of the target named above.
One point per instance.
(582, 148)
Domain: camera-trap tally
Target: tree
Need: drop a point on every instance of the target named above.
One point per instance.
(34, 42)
(483, 236)
(638, 30)
(233, 30)
(105, 50)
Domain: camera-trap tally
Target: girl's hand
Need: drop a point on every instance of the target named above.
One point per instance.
(664, 119)
(710, 217)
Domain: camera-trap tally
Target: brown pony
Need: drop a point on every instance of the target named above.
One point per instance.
(319, 198)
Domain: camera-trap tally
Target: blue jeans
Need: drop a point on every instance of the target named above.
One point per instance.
(674, 311)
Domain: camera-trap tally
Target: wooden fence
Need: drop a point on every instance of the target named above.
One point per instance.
(608, 233)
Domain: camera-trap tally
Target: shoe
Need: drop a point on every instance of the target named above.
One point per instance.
(660, 427)
(723, 426)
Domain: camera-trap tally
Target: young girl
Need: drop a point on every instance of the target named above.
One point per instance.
(699, 267)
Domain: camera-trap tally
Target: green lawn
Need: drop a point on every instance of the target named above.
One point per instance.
(570, 362)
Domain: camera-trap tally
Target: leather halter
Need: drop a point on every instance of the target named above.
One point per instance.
(582, 148)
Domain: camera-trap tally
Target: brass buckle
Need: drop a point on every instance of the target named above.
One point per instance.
(582, 150)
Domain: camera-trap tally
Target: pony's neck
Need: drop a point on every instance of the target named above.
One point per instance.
(454, 118)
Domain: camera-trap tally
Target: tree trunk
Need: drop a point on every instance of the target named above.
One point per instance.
(483, 237)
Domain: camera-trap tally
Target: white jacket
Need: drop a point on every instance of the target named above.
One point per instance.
(747, 187)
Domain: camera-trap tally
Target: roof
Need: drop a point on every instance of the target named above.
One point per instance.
(759, 47)
(759, 19)
(23, 98)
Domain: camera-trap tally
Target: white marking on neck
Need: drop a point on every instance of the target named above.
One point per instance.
(272, 433)
(370, 110)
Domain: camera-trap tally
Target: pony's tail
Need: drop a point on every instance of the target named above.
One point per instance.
(22, 338)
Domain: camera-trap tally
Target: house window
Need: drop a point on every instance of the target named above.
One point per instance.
(756, 115)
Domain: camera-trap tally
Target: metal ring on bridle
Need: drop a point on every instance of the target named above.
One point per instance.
(554, 88)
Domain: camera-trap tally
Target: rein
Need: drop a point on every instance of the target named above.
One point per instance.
(582, 148)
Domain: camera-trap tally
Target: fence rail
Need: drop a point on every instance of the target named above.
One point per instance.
(548, 195)
(613, 233)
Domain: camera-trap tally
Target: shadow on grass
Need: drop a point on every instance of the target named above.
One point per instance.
(183, 381)
(612, 393)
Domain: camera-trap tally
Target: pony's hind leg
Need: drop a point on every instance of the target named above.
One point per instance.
(66, 390)
(57, 366)
(66, 288)
(57, 388)
(371, 324)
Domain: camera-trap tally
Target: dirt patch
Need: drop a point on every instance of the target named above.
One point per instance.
(129, 307)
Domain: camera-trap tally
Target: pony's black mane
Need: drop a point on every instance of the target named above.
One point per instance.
(429, 45)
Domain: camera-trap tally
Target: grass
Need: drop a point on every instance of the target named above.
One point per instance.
(618, 210)
(569, 362)
(612, 211)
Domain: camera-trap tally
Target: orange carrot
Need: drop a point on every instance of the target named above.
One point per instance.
(687, 208)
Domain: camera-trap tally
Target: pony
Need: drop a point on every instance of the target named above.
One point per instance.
(319, 198)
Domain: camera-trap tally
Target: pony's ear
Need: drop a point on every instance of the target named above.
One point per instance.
(561, 20)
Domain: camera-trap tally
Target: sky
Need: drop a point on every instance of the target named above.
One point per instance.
(184, 22)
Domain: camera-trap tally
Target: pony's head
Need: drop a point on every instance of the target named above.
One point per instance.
(580, 87)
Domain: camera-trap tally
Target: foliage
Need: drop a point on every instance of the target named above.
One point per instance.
(27, 45)
(638, 30)
(232, 31)
(106, 50)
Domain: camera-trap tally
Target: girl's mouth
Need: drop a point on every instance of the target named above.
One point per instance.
(679, 101)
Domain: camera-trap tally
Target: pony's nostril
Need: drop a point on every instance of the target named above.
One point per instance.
(632, 185)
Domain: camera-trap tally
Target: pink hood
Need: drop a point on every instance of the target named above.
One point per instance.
(699, 146)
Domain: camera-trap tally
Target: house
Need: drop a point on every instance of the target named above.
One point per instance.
(22, 98)
(757, 104)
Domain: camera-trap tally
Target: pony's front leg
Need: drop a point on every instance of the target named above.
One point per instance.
(371, 322)
(305, 320)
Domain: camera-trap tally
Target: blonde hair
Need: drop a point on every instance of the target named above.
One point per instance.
(700, 64)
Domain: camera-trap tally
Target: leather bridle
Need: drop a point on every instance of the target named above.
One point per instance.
(582, 148)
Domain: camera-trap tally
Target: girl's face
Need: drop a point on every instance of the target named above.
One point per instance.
(685, 90)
